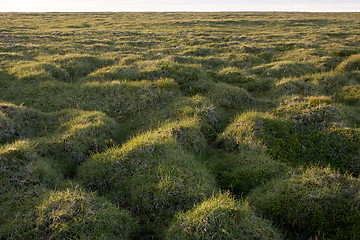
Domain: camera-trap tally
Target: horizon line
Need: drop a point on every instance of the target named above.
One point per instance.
(186, 11)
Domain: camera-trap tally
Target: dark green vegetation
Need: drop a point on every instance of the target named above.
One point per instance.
(180, 126)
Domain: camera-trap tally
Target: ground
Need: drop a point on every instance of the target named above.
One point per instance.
(179, 125)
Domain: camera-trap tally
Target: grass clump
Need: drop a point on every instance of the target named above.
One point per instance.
(188, 134)
(233, 76)
(349, 94)
(243, 132)
(352, 63)
(36, 72)
(296, 86)
(124, 101)
(196, 108)
(244, 171)
(244, 60)
(283, 69)
(17, 122)
(312, 111)
(22, 167)
(24, 177)
(293, 142)
(71, 213)
(76, 214)
(239, 78)
(67, 136)
(151, 175)
(75, 66)
(80, 134)
(221, 217)
(59, 68)
(187, 76)
(319, 202)
(228, 96)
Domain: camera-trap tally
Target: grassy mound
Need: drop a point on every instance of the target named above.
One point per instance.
(24, 177)
(75, 66)
(68, 136)
(245, 171)
(221, 217)
(187, 133)
(283, 69)
(22, 167)
(312, 111)
(349, 94)
(198, 108)
(319, 203)
(72, 214)
(120, 100)
(352, 63)
(243, 132)
(186, 75)
(59, 68)
(79, 134)
(296, 86)
(294, 142)
(75, 214)
(151, 175)
(17, 122)
(36, 72)
(228, 96)
(233, 76)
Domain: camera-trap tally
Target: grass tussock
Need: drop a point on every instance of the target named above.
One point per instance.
(25, 177)
(151, 174)
(80, 134)
(221, 217)
(17, 122)
(321, 203)
(72, 213)
(351, 64)
(80, 215)
(244, 171)
(307, 139)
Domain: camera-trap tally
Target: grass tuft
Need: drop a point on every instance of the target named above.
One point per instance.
(320, 203)
(221, 217)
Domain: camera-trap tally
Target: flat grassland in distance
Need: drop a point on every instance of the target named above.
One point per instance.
(180, 126)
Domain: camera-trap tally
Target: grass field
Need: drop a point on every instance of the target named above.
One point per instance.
(180, 126)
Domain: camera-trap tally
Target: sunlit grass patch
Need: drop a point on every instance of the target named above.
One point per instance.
(151, 175)
(305, 139)
(221, 217)
(71, 213)
(320, 203)
(18, 122)
(351, 64)
(284, 69)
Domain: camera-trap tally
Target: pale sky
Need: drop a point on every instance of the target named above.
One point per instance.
(178, 5)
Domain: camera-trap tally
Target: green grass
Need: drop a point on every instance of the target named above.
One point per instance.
(315, 134)
(221, 217)
(244, 171)
(73, 213)
(130, 125)
(319, 203)
(152, 174)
